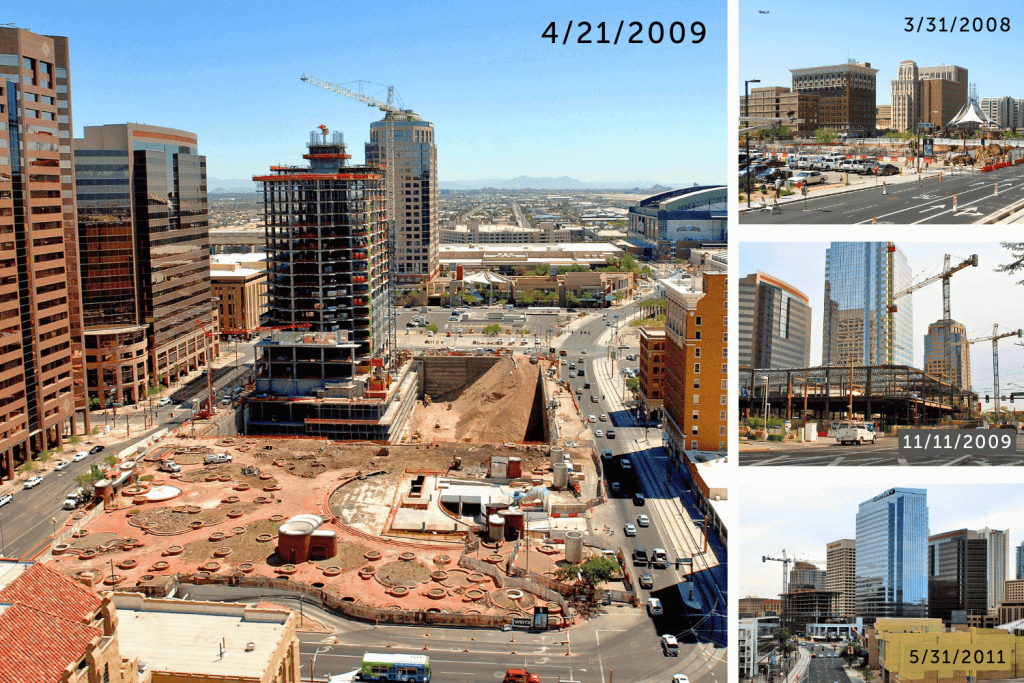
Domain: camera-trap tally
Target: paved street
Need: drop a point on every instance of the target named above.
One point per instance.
(906, 203)
(828, 453)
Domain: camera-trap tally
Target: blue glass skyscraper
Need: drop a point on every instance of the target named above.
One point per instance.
(855, 319)
(1020, 562)
(892, 555)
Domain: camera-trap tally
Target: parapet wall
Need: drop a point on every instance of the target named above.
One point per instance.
(442, 374)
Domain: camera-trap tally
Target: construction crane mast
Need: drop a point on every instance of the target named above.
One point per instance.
(785, 568)
(947, 271)
(995, 356)
(391, 114)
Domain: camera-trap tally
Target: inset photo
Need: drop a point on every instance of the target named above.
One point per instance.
(880, 353)
(916, 121)
(881, 582)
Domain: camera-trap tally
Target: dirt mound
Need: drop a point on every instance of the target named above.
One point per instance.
(498, 406)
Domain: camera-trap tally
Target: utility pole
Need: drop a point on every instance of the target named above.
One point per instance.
(851, 387)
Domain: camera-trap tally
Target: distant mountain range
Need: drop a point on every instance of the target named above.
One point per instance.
(239, 185)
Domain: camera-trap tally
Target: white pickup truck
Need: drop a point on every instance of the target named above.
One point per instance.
(854, 433)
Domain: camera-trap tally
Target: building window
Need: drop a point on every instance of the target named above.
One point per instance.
(721, 445)
(724, 400)
(696, 399)
(721, 430)
(725, 368)
(696, 321)
(696, 352)
(696, 382)
(725, 352)
(698, 335)
(693, 430)
(693, 445)
(723, 385)
(696, 415)
(721, 415)
(696, 368)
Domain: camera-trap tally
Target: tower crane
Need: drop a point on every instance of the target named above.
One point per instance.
(947, 271)
(785, 568)
(995, 356)
(391, 114)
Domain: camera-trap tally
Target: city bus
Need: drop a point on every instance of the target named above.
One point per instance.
(396, 667)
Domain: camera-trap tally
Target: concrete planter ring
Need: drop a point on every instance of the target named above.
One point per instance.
(87, 554)
(242, 487)
(238, 530)
(225, 478)
(193, 509)
(127, 564)
(548, 549)
(235, 514)
(174, 550)
(372, 555)
(222, 552)
(217, 536)
(113, 580)
(277, 518)
(477, 578)
(159, 566)
(229, 500)
(436, 593)
(263, 538)
(146, 577)
(442, 560)
(266, 476)
(332, 571)
(494, 559)
(80, 533)
(399, 591)
(407, 557)
(210, 566)
(139, 500)
(439, 576)
(212, 477)
(287, 569)
(246, 567)
(180, 508)
(60, 548)
(514, 594)
(474, 594)
(195, 525)
(272, 487)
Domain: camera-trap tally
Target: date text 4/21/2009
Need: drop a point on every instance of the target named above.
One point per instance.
(656, 32)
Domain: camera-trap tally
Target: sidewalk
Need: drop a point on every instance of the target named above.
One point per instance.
(856, 183)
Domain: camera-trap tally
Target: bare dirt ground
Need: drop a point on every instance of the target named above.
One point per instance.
(494, 409)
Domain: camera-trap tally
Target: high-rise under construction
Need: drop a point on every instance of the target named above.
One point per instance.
(321, 373)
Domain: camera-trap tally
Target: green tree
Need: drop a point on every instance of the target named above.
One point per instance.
(110, 460)
(492, 329)
(776, 133)
(633, 384)
(528, 299)
(1016, 265)
(542, 269)
(28, 467)
(74, 439)
(44, 456)
(94, 403)
(432, 327)
(572, 299)
(468, 299)
(592, 573)
(825, 135)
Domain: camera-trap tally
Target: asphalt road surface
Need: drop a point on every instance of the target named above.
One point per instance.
(906, 203)
(884, 453)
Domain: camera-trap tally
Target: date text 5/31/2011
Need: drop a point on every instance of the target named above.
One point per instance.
(636, 32)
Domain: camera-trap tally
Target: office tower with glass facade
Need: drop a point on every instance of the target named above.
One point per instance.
(414, 180)
(806, 576)
(143, 228)
(42, 380)
(858, 279)
(774, 324)
(1020, 562)
(957, 578)
(892, 555)
(841, 574)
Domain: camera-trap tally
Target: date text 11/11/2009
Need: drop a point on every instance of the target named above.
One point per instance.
(657, 32)
(957, 441)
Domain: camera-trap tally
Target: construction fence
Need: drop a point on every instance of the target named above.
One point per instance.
(502, 580)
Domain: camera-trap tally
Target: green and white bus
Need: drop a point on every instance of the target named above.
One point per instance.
(396, 667)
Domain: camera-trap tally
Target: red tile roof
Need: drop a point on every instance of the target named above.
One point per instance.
(50, 591)
(37, 646)
(44, 625)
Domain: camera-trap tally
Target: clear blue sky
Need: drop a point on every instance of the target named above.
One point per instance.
(979, 298)
(797, 35)
(804, 520)
(504, 101)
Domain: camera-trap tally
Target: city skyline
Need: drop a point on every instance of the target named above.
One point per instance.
(971, 298)
(505, 101)
(804, 520)
(884, 47)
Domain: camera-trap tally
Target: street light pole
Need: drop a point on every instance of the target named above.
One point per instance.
(746, 137)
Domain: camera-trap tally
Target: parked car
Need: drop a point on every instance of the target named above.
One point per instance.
(886, 169)
(169, 466)
(6, 498)
(625, 464)
(654, 607)
(610, 434)
(808, 178)
(95, 449)
(598, 433)
(638, 499)
(62, 465)
(629, 529)
(165, 401)
(753, 170)
(643, 520)
(211, 458)
(79, 456)
(33, 482)
(670, 646)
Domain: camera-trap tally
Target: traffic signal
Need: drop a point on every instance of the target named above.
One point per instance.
(986, 398)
